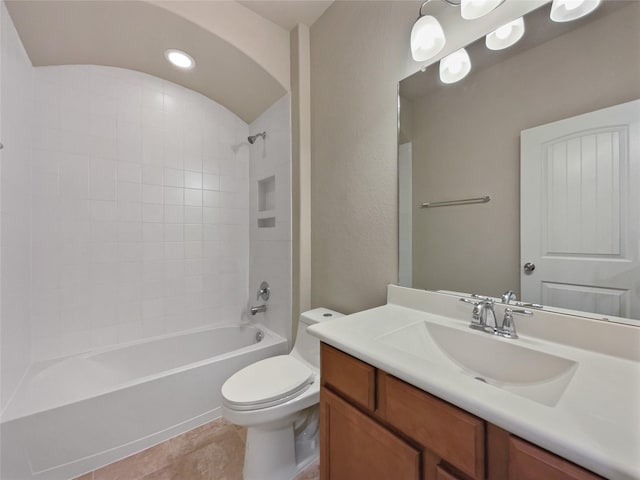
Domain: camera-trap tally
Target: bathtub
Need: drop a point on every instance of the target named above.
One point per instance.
(76, 414)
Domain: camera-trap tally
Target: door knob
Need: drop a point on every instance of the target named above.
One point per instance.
(529, 267)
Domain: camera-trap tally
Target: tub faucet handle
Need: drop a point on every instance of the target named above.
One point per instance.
(264, 292)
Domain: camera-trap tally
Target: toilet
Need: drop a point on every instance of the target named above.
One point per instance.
(277, 399)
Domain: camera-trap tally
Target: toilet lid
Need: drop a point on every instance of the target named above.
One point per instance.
(267, 382)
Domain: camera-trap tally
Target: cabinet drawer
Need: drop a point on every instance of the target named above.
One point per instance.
(528, 462)
(350, 376)
(454, 435)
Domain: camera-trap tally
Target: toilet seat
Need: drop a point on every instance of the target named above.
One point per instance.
(267, 383)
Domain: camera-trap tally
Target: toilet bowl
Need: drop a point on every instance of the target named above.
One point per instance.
(277, 399)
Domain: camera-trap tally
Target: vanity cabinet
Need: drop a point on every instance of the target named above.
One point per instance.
(375, 426)
(378, 454)
(511, 458)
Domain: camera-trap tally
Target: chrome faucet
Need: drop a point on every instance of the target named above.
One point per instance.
(258, 309)
(264, 292)
(483, 317)
(508, 327)
(508, 296)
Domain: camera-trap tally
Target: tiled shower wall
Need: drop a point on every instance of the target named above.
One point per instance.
(271, 245)
(140, 209)
(16, 98)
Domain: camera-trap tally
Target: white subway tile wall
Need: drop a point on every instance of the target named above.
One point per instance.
(271, 247)
(140, 209)
(16, 134)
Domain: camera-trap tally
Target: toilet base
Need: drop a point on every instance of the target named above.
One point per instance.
(279, 450)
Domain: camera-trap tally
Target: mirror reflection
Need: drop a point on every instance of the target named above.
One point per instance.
(544, 135)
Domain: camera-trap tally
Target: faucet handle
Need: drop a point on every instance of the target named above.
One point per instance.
(508, 296)
(466, 300)
(264, 292)
(481, 297)
(480, 309)
(508, 328)
(530, 305)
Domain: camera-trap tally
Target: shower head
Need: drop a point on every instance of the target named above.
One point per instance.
(252, 138)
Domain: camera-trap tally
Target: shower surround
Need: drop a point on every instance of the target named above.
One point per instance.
(139, 209)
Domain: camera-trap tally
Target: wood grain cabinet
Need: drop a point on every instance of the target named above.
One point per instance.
(511, 458)
(356, 446)
(374, 426)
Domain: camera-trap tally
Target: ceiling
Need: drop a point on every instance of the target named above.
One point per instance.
(288, 13)
(134, 34)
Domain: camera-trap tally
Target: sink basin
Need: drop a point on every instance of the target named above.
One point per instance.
(536, 375)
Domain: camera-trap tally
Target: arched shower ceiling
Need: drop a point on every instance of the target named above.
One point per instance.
(134, 35)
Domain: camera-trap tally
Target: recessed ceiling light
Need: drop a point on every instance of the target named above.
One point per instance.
(180, 59)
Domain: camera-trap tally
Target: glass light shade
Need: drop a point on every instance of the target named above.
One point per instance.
(472, 9)
(455, 67)
(568, 10)
(506, 35)
(179, 58)
(427, 38)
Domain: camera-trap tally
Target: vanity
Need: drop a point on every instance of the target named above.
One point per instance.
(409, 391)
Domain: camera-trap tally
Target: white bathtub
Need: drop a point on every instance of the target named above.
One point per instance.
(76, 414)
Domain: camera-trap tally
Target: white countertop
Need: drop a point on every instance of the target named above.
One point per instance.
(596, 421)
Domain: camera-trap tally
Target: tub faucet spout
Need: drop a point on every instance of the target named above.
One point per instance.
(258, 309)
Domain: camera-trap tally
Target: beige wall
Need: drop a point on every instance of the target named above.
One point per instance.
(476, 248)
(358, 53)
(300, 172)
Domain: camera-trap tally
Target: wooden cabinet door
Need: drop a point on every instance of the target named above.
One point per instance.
(356, 447)
(455, 436)
(528, 462)
(511, 458)
(442, 474)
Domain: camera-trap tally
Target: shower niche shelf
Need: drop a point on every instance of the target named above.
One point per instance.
(267, 202)
(267, 222)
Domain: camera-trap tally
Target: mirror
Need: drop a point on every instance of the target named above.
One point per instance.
(463, 141)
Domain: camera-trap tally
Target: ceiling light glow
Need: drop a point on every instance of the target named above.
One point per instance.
(180, 59)
(455, 67)
(506, 35)
(568, 10)
(472, 9)
(427, 38)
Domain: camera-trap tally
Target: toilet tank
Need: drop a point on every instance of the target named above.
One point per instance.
(307, 347)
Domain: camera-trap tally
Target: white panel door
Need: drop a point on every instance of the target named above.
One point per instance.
(580, 212)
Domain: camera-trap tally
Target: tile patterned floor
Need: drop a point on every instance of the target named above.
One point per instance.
(214, 451)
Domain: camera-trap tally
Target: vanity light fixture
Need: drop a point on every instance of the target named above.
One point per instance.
(568, 10)
(506, 35)
(180, 59)
(455, 67)
(472, 9)
(427, 36)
